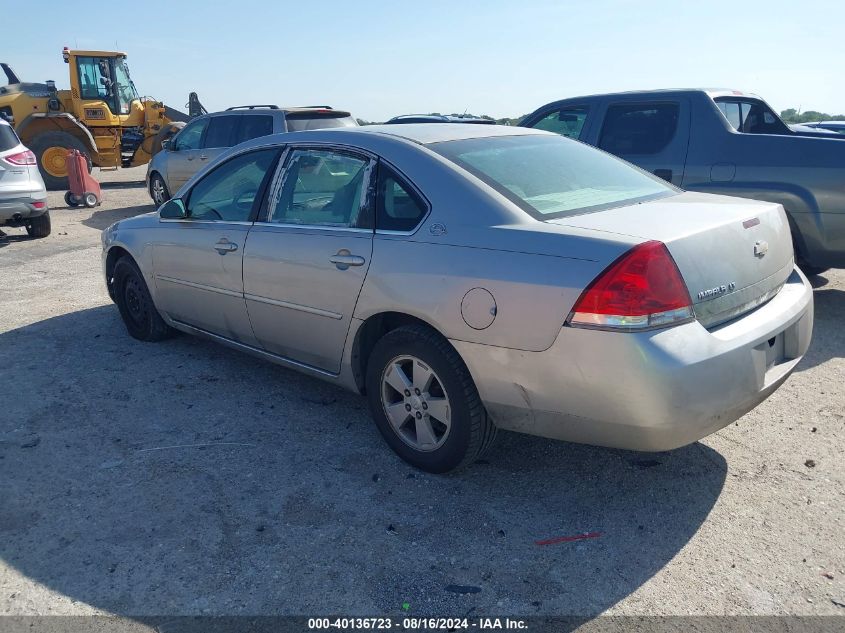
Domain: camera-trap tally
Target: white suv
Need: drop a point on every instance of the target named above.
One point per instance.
(23, 197)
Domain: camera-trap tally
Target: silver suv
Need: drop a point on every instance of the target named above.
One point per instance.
(23, 197)
(206, 137)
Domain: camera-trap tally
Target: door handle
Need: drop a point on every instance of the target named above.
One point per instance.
(203, 157)
(225, 246)
(189, 157)
(344, 259)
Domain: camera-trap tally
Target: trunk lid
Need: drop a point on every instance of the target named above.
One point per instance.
(733, 254)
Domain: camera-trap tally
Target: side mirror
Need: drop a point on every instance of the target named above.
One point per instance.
(173, 209)
(165, 144)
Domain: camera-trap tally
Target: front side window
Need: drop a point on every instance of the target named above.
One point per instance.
(252, 126)
(398, 208)
(321, 188)
(639, 129)
(126, 92)
(567, 121)
(750, 116)
(230, 191)
(221, 131)
(552, 177)
(190, 136)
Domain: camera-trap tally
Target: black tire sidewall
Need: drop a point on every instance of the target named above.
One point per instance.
(123, 271)
(39, 226)
(454, 450)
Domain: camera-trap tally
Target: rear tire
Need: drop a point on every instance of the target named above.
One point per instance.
(46, 148)
(136, 306)
(158, 190)
(39, 226)
(442, 427)
(71, 200)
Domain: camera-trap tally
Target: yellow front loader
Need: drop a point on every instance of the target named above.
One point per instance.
(102, 116)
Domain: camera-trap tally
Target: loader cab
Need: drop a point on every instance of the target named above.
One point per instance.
(102, 77)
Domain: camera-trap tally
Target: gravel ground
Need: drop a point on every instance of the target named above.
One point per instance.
(185, 478)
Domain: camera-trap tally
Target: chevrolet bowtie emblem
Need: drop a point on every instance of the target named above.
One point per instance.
(761, 247)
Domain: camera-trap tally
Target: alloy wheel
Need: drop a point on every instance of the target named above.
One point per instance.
(416, 403)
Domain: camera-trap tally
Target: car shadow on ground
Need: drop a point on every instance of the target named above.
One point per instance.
(104, 218)
(828, 334)
(185, 478)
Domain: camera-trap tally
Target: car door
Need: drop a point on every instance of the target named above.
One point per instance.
(183, 153)
(220, 135)
(198, 260)
(653, 135)
(305, 262)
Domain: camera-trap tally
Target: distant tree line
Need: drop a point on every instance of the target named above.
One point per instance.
(792, 115)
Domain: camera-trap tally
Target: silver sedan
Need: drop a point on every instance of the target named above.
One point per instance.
(474, 278)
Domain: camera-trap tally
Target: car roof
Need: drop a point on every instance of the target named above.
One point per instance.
(711, 92)
(369, 137)
(442, 118)
(425, 133)
(267, 109)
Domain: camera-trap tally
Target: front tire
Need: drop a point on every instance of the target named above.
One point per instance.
(136, 306)
(39, 226)
(424, 401)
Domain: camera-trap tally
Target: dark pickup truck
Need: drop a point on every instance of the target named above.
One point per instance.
(723, 142)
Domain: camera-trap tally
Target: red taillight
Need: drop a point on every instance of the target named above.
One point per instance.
(21, 158)
(39, 205)
(642, 289)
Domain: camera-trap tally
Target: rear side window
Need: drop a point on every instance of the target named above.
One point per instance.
(322, 188)
(221, 131)
(751, 117)
(398, 208)
(8, 138)
(253, 126)
(639, 128)
(567, 121)
(297, 121)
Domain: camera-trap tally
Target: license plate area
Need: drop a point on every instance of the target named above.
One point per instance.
(773, 350)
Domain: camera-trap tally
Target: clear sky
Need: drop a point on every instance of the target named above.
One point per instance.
(379, 58)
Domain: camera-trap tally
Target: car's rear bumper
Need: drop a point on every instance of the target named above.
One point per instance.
(23, 205)
(647, 391)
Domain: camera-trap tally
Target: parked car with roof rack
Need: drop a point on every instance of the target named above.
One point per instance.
(720, 141)
(23, 196)
(206, 137)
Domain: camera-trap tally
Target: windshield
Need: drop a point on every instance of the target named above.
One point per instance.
(126, 92)
(551, 176)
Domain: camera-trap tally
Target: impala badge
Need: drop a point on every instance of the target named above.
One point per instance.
(718, 290)
(761, 247)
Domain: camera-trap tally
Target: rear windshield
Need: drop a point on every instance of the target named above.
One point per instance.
(551, 176)
(8, 138)
(300, 121)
